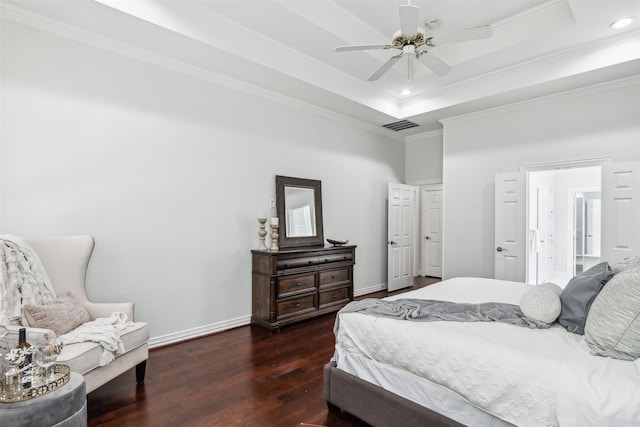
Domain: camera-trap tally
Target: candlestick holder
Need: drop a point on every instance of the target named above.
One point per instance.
(262, 233)
(274, 236)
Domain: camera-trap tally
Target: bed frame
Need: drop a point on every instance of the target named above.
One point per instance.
(375, 405)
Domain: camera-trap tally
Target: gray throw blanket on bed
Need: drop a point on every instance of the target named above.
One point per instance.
(421, 310)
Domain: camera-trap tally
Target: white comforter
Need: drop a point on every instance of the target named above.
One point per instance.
(528, 377)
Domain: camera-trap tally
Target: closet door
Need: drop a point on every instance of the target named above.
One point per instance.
(620, 211)
(400, 244)
(510, 233)
(431, 226)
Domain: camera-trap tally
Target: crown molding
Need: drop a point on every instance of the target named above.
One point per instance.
(40, 22)
(544, 100)
(423, 135)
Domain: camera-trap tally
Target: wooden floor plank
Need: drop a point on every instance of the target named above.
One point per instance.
(241, 377)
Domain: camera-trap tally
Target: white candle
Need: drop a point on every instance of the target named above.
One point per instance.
(262, 215)
(274, 221)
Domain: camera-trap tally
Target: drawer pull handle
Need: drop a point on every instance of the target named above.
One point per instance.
(296, 305)
(334, 296)
(297, 284)
(333, 276)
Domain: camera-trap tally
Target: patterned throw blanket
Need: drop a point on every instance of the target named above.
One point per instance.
(22, 280)
(432, 310)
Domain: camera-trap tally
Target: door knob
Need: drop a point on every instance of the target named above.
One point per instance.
(499, 249)
(427, 237)
(391, 242)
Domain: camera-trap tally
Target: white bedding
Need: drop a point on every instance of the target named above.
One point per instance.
(528, 377)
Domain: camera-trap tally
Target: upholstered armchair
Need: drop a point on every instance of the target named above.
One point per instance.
(65, 259)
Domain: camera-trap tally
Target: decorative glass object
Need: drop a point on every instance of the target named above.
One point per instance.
(46, 354)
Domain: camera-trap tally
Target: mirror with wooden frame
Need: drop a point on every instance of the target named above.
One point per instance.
(299, 204)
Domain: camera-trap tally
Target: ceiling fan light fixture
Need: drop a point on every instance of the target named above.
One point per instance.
(621, 23)
(405, 92)
(409, 50)
(410, 38)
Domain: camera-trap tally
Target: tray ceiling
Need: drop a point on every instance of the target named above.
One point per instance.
(286, 48)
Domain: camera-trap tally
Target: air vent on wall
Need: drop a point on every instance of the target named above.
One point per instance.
(401, 125)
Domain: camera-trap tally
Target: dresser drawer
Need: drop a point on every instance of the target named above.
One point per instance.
(294, 284)
(296, 305)
(334, 296)
(345, 256)
(334, 277)
(286, 263)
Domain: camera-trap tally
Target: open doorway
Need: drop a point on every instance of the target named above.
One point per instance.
(563, 220)
(586, 229)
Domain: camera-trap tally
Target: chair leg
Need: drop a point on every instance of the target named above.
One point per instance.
(141, 369)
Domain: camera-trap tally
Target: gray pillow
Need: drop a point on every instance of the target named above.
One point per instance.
(579, 294)
(613, 324)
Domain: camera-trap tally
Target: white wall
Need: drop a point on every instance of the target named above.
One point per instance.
(169, 173)
(598, 122)
(423, 158)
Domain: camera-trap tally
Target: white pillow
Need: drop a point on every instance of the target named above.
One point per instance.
(550, 285)
(541, 303)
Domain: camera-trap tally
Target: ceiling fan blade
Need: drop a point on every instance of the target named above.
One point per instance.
(436, 65)
(385, 67)
(362, 47)
(409, 20)
(483, 32)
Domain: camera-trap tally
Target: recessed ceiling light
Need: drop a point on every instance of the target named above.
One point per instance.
(621, 23)
(405, 92)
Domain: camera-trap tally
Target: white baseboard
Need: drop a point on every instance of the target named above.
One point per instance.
(370, 289)
(201, 331)
(198, 332)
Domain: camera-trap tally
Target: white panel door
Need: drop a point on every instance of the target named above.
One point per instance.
(431, 232)
(620, 211)
(510, 233)
(543, 262)
(400, 236)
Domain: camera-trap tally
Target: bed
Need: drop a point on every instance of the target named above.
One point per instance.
(391, 372)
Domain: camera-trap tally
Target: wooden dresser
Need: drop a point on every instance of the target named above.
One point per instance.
(295, 284)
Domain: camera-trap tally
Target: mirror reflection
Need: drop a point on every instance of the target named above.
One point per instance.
(300, 212)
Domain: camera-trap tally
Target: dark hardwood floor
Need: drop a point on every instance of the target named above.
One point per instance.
(240, 377)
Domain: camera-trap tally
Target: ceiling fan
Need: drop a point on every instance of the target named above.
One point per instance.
(411, 41)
